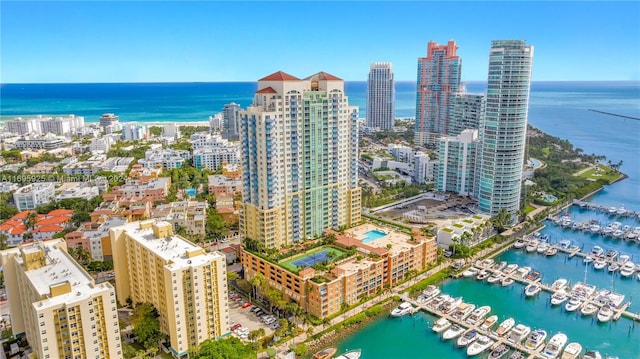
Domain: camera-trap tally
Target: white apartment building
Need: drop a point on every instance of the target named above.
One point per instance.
(187, 285)
(457, 167)
(23, 126)
(134, 132)
(63, 126)
(424, 168)
(477, 226)
(167, 158)
(34, 195)
(57, 305)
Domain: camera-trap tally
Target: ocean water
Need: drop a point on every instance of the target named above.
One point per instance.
(558, 108)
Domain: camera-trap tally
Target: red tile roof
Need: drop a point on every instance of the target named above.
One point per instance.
(279, 76)
(18, 230)
(50, 228)
(53, 220)
(267, 90)
(324, 77)
(60, 212)
(21, 215)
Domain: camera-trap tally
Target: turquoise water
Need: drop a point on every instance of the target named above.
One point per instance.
(372, 235)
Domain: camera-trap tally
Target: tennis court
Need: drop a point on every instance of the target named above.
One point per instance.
(309, 259)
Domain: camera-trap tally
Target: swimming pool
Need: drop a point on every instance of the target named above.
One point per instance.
(372, 235)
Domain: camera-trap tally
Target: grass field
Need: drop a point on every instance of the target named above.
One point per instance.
(289, 263)
(605, 174)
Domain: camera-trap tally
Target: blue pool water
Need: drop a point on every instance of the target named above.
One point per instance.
(372, 235)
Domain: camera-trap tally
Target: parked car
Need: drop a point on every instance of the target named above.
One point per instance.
(236, 326)
(246, 305)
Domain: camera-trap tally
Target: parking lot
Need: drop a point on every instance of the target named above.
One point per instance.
(246, 317)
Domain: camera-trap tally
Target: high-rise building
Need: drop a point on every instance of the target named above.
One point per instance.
(186, 285)
(438, 82)
(503, 130)
(57, 305)
(134, 132)
(467, 111)
(299, 142)
(230, 121)
(380, 96)
(108, 119)
(456, 169)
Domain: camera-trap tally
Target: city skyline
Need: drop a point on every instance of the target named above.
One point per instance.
(186, 42)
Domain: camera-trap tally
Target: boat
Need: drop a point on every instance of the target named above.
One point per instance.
(599, 263)
(484, 274)
(500, 266)
(559, 284)
(592, 354)
(471, 272)
(462, 311)
(535, 339)
(532, 289)
(621, 211)
(441, 325)
(435, 303)
(506, 281)
(326, 353)
(450, 304)
(532, 245)
(617, 233)
(551, 251)
(535, 275)
(554, 346)
(564, 245)
(611, 255)
(589, 309)
(605, 314)
(594, 228)
(495, 277)
(480, 345)
(627, 269)
(559, 297)
(403, 309)
(596, 251)
(517, 355)
(478, 315)
(505, 326)
(588, 258)
(613, 267)
(351, 354)
(489, 322)
(612, 210)
(500, 351)
(542, 247)
(522, 272)
(430, 292)
(573, 304)
(624, 259)
(520, 243)
(452, 332)
(510, 268)
(572, 351)
(518, 333)
(467, 338)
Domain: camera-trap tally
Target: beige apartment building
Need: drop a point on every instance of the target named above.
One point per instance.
(57, 305)
(187, 285)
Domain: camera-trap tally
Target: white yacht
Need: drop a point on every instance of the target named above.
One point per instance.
(471, 272)
(403, 309)
(597, 251)
(573, 304)
(499, 266)
(572, 351)
(462, 311)
(594, 228)
(599, 263)
(480, 345)
(589, 309)
(613, 267)
(505, 326)
(518, 333)
(532, 289)
(495, 277)
(559, 297)
(450, 304)
(441, 325)
(452, 332)
(542, 247)
(489, 322)
(605, 313)
(437, 301)
(430, 292)
(535, 339)
(499, 351)
(510, 268)
(627, 269)
(478, 315)
(559, 284)
(554, 346)
(532, 245)
(351, 354)
(467, 338)
(592, 354)
(520, 243)
(522, 272)
(484, 274)
(506, 281)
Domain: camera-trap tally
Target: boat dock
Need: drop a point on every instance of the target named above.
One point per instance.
(612, 230)
(612, 211)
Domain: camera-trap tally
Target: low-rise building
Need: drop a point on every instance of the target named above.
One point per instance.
(478, 228)
(190, 216)
(77, 190)
(34, 195)
(221, 184)
(57, 305)
(166, 158)
(47, 142)
(42, 168)
(94, 238)
(154, 190)
(142, 173)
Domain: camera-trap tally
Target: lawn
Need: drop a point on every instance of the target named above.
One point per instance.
(603, 173)
(289, 263)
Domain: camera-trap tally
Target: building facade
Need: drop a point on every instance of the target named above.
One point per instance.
(34, 195)
(503, 131)
(230, 121)
(134, 132)
(185, 284)
(466, 113)
(381, 96)
(299, 143)
(58, 306)
(456, 169)
(438, 83)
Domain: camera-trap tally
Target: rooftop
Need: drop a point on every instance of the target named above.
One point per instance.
(279, 76)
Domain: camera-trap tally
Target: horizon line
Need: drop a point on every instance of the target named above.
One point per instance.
(255, 81)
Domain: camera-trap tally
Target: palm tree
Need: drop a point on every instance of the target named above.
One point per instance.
(30, 220)
(257, 281)
(3, 241)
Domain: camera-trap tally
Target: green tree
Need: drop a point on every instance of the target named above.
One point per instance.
(3, 241)
(146, 325)
(228, 348)
(258, 281)
(155, 130)
(30, 220)
(216, 227)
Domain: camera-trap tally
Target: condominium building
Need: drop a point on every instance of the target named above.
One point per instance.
(134, 132)
(23, 126)
(221, 184)
(423, 168)
(153, 190)
(503, 132)
(57, 305)
(34, 195)
(187, 285)
(191, 216)
(300, 172)
(62, 126)
(380, 96)
(108, 119)
(478, 228)
(46, 142)
(467, 112)
(456, 170)
(167, 158)
(230, 121)
(94, 238)
(438, 83)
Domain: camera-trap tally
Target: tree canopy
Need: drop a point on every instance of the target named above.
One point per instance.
(146, 325)
(229, 348)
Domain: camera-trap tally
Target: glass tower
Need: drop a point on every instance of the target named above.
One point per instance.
(503, 129)
(380, 96)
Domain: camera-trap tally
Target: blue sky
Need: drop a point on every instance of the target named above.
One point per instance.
(153, 41)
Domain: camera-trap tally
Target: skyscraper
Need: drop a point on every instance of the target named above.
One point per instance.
(299, 143)
(456, 169)
(503, 129)
(438, 82)
(467, 111)
(230, 121)
(380, 96)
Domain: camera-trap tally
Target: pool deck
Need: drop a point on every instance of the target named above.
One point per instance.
(397, 240)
